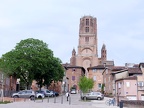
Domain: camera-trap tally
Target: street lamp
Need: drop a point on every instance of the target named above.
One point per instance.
(18, 84)
(67, 83)
(63, 86)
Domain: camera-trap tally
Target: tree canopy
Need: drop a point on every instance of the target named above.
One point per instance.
(32, 60)
(85, 84)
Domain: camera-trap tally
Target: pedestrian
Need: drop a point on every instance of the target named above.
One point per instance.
(113, 101)
(67, 95)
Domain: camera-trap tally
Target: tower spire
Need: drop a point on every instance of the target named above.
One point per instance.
(73, 58)
(104, 53)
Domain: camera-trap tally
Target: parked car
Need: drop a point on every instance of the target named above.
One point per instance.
(93, 96)
(54, 93)
(40, 94)
(73, 91)
(40, 91)
(47, 92)
(24, 94)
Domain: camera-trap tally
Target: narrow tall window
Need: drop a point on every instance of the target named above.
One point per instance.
(127, 84)
(140, 83)
(94, 70)
(73, 78)
(94, 78)
(87, 22)
(119, 85)
(87, 29)
(99, 85)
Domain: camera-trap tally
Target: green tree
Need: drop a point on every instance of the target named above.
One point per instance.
(85, 84)
(102, 88)
(32, 59)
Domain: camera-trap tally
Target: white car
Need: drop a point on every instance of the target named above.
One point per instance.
(40, 95)
(73, 91)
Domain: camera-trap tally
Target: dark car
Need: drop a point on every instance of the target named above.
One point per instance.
(54, 93)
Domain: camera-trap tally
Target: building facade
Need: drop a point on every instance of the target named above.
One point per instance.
(126, 89)
(73, 74)
(87, 52)
(95, 73)
(87, 55)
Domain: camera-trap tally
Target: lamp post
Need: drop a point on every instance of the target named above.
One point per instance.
(18, 84)
(62, 91)
(63, 86)
(67, 83)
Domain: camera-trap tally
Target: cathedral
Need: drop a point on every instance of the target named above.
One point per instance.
(87, 52)
(87, 55)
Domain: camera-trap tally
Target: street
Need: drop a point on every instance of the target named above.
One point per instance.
(60, 102)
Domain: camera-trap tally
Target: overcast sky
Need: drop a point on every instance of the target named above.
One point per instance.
(56, 22)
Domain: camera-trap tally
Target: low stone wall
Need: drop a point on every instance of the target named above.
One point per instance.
(13, 99)
(133, 103)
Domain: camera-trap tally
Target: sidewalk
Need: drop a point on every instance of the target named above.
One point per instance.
(75, 102)
(101, 104)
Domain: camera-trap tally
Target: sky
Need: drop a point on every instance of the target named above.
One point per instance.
(120, 26)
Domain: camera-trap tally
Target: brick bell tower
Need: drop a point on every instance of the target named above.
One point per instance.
(87, 48)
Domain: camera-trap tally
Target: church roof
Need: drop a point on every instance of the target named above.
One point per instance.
(131, 70)
(96, 67)
(71, 66)
(73, 50)
(128, 78)
(104, 46)
(118, 68)
(134, 70)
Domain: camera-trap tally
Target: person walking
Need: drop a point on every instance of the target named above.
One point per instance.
(67, 95)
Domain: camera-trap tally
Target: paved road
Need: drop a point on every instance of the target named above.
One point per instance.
(58, 103)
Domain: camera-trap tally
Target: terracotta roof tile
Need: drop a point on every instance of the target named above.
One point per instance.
(97, 67)
(128, 78)
(118, 68)
(134, 70)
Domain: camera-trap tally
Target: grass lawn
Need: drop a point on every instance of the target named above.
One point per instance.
(5, 102)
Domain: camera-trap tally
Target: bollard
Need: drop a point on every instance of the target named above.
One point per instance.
(42, 99)
(48, 99)
(54, 99)
(62, 99)
(14, 99)
(34, 99)
(24, 99)
(121, 104)
(69, 100)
